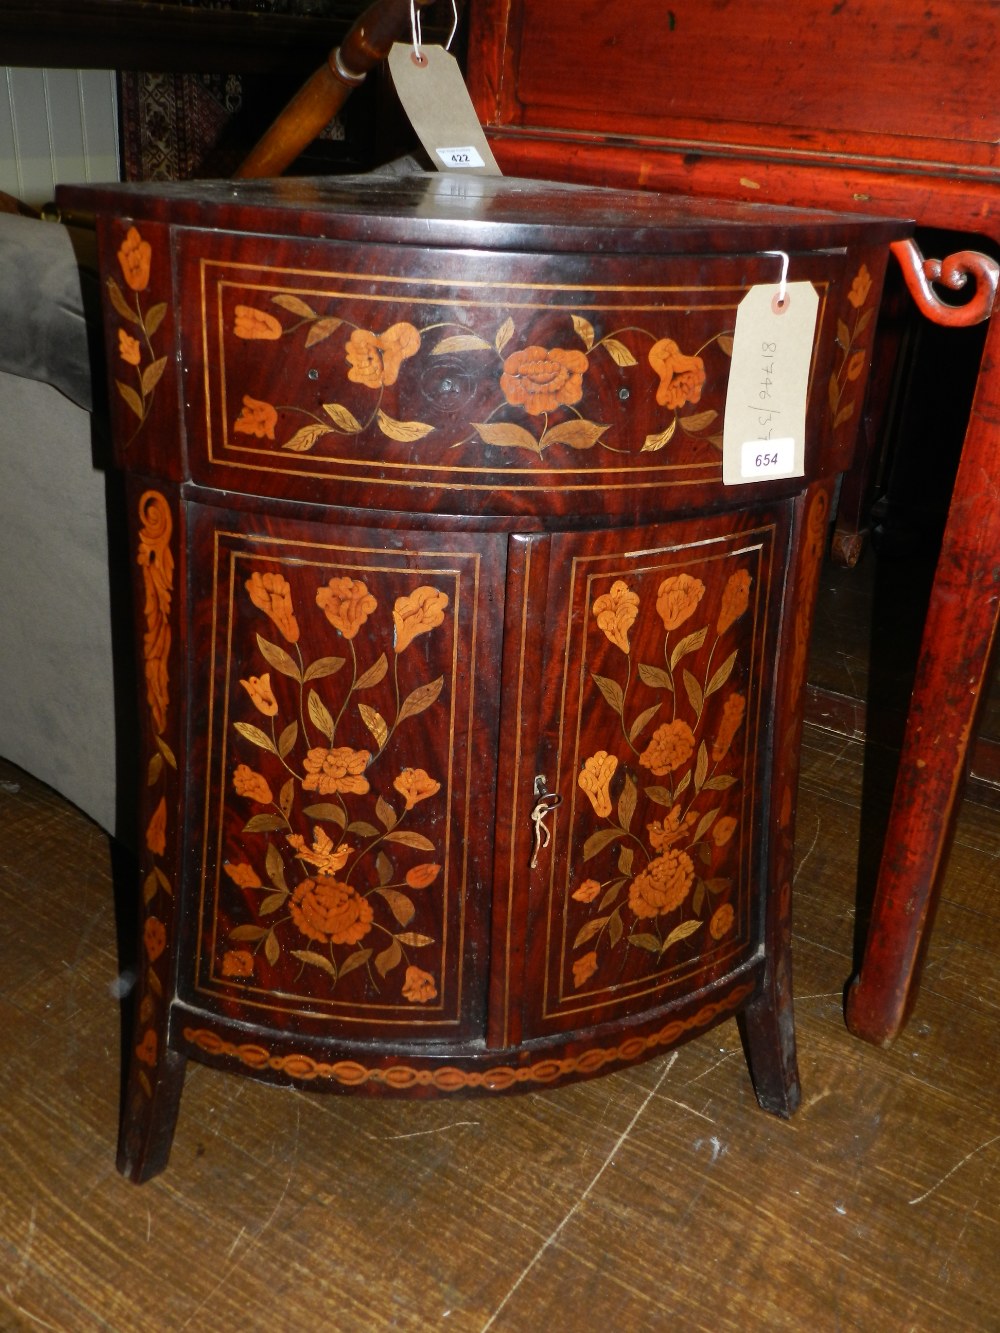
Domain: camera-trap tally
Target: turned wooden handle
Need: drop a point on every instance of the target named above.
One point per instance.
(321, 97)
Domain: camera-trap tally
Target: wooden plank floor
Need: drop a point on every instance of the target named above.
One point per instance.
(656, 1198)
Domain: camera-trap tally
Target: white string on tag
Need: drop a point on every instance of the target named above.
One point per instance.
(781, 299)
(454, 25)
(418, 57)
(417, 35)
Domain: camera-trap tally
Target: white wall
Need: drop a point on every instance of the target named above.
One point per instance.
(56, 125)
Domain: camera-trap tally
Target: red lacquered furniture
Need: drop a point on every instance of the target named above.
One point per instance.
(863, 106)
(471, 695)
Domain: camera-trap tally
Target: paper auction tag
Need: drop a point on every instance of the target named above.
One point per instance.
(764, 432)
(437, 102)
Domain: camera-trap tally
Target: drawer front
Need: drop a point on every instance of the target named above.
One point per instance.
(340, 809)
(470, 382)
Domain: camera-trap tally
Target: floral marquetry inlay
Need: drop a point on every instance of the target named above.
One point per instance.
(137, 320)
(456, 379)
(541, 392)
(334, 845)
(664, 775)
(155, 559)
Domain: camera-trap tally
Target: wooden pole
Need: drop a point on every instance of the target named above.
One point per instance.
(316, 103)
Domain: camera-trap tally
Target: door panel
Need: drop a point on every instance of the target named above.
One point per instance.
(341, 844)
(654, 728)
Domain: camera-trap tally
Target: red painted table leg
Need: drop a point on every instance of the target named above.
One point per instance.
(953, 669)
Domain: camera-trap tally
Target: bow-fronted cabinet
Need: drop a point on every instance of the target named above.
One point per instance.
(471, 694)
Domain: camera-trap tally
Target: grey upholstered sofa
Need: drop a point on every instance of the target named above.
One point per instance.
(57, 675)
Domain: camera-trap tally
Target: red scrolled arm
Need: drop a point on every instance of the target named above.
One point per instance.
(953, 273)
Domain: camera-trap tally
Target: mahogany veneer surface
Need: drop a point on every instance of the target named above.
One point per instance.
(472, 696)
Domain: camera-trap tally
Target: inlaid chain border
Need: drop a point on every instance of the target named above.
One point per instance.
(352, 1074)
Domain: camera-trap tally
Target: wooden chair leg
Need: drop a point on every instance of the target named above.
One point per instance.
(959, 633)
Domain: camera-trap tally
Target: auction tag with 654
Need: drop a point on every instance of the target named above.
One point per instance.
(764, 432)
(768, 458)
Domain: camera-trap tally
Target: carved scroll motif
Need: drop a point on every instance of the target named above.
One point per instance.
(953, 273)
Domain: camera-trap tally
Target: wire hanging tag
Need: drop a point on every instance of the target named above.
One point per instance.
(782, 300)
(417, 35)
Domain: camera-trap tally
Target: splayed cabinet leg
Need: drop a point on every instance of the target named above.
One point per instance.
(149, 1116)
(768, 1032)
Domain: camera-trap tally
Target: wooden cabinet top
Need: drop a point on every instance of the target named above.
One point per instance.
(483, 212)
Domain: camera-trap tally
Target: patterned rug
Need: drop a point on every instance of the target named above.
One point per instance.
(189, 126)
(183, 126)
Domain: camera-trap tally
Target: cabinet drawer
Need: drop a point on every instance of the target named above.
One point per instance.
(471, 383)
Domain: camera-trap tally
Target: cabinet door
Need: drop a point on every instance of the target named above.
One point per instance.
(654, 711)
(344, 720)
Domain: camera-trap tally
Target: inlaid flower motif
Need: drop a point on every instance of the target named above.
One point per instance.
(732, 717)
(414, 785)
(856, 365)
(666, 831)
(584, 968)
(156, 829)
(860, 287)
(259, 690)
(419, 877)
(128, 348)
(272, 594)
(252, 785)
(681, 377)
(237, 963)
(135, 256)
(346, 603)
(587, 891)
(724, 830)
(146, 1050)
(257, 418)
(670, 746)
(540, 381)
(336, 770)
(322, 855)
(735, 599)
(156, 561)
(154, 937)
(243, 875)
(616, 612)
(595, 778)
(375, 359)
(329, 911)
(416, 613)
(253, 324)
(677, 598)
(663, 885)
(722, 921)
(419, 986)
